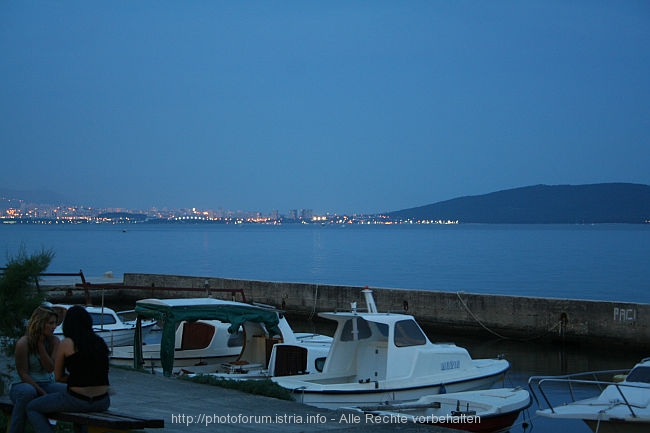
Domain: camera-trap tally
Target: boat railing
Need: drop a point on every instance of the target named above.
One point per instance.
(580, 381)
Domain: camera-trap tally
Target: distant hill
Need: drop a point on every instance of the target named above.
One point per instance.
(543, 204)
(39, 197)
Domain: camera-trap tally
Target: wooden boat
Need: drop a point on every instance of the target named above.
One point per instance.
(385, 357)
(484, 411)
(110, 325)
(607, 401)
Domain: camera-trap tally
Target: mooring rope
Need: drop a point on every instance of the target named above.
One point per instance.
(471, 313)
(313, 310)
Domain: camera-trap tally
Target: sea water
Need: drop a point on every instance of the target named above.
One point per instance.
(605, 262)
(596, 262)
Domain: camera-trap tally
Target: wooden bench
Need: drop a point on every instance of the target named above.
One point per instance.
(95, 422)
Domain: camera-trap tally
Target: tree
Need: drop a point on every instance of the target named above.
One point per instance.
(18, 294)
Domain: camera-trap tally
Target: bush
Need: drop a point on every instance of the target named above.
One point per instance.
(265, 387)
(18, 294)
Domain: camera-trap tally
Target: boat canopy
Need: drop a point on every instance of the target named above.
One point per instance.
(172, 311)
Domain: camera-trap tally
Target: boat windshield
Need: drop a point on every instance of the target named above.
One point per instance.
(639, 374)
(364, 330)
(358, 326)
(408, 333)
(102, 319)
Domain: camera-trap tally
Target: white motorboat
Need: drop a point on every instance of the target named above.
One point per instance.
(485, 411)
(262, 327)
(607, 401)
(305, 354)
(196, 343)
(263, 356)
(377, 358)
(112, 326)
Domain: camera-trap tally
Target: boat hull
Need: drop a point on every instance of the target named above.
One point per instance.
(483, 424)
(618, 426)
(182, 358)
(603, 417)
(120, 337)
(622, 405)
(108, 324)
(484, 411)
(366, 394)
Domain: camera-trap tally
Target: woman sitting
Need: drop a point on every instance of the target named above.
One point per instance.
(35, 354)
(85, 357)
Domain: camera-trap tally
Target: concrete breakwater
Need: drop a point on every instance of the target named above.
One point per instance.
(620, 324)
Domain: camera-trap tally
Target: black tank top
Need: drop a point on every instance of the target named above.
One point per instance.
(87, 368)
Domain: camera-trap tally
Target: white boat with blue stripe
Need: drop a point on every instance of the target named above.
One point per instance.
(380, 358)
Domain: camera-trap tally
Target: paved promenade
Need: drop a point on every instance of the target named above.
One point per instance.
(189, 407)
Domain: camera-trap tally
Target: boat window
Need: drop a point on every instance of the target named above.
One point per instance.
(408, 333)
(319, 363)
(639, 374)
(362, 328)
(102, 319)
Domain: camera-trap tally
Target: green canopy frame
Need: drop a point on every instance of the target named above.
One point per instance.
(173, 311)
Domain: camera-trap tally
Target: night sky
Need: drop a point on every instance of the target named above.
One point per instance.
(335, 106)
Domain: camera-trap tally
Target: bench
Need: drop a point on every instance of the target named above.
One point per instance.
(95, 422)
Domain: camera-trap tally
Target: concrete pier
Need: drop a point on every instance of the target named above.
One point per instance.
(619, 324)
(189, 407)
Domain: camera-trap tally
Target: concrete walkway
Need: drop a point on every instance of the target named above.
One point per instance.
(189, 407)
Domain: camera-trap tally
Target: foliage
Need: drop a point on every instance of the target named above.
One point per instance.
(265, 387)
(18, 294)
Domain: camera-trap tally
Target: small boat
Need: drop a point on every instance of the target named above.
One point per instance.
(196, 343)
(607, 401)
(260, 329)
(284, 355)
(112, 326)
(386, 357)
(484, 411)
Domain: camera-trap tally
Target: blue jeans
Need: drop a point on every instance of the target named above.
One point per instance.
(60, 402)
(21, 394)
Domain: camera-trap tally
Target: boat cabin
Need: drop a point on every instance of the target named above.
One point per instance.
(372, 347)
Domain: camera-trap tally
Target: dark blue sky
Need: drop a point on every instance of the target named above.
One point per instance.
(336, 106)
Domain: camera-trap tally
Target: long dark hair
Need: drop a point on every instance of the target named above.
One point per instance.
(78, 326)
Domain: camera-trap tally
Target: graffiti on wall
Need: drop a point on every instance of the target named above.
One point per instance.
(624, 315)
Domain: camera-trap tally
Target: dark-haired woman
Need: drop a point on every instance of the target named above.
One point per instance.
(84, 355)
(35, 353)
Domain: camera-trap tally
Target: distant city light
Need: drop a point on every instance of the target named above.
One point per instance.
(19, 212)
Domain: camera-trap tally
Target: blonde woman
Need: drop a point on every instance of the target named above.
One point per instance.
(35, 355)
(81, 363)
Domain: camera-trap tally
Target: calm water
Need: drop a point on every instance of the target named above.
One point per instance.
(608, 262)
